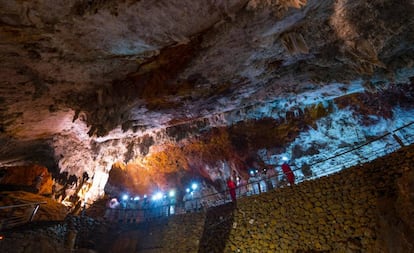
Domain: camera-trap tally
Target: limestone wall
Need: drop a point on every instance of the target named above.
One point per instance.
(362, 209)
(184, 233)
(26, 178)
(179, 233)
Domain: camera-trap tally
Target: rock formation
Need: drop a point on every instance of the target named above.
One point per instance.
(172, 91)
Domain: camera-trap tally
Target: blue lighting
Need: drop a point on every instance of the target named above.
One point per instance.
(171, 193)
(194, 186)
(157, 196)
(125, 197)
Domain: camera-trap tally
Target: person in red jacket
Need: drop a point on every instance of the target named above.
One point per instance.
(289, 173)
(232, 188)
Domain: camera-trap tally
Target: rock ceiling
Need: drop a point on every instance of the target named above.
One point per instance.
(89, 83)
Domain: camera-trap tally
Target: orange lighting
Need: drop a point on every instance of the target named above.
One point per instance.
(1, 237)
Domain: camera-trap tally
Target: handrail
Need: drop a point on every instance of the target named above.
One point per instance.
(22, 205)
(363, 144)
(18, 214)
(142, 214)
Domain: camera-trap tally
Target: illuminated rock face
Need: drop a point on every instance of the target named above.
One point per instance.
(34, 179)
(172, 91)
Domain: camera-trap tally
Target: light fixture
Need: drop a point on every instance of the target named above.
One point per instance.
(171, 193)
(157, 196)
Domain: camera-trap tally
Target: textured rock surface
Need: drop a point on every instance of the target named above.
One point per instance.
(361, 209)
(351, 211)
(49, 209)
(33, 178)
(86, 84)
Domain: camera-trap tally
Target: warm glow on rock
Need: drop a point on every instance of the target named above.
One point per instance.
(114, 97)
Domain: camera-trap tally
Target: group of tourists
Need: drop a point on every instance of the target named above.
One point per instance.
(259, 180)
(137, 209)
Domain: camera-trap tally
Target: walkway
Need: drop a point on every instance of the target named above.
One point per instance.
(398, 138)
(19, 213)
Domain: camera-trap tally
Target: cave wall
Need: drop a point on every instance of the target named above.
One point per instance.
(306, 133)
(365, 208)
(361, 209)
(90, 87)
(32, 178)
(179, 233)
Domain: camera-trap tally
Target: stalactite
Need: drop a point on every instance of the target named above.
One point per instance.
(277, 4)
(363, 56)
(294, 43)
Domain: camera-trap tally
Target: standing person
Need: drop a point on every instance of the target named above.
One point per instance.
(243, 187)
(196, 202)
(187, 199)
(232, 188)
(289, 173)
(253, 182)
(261, 176)
(146, 208)
(271, 178)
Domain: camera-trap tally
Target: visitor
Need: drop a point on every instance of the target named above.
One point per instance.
(253, 182)
(113, 203)
(187, 201)
(242, 186)
(146, 208)
(261, 177)
(271, 176)
(232, 189)
(111, 214)
(288, 173)
(196, 202)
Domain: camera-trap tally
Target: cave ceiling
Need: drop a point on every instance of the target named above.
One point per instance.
(88, 83)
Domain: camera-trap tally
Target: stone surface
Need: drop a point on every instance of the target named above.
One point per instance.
(34, 178)
(49, 209)
(87, 85)
(361, 209)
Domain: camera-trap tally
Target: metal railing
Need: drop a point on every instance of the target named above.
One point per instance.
(18, 214)
(137, 215)
(396, 139)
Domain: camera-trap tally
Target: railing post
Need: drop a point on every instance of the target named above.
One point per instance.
(398, 140)
(34, 212)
